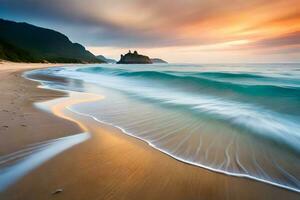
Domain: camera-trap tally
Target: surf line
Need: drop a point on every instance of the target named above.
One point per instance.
(74, 99)
(16, 165)
(234, 174)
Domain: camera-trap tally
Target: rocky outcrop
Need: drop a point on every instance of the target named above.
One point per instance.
(134, 58)
(158, 60)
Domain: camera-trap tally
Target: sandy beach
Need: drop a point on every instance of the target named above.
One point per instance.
(20, 122)
(110, 165)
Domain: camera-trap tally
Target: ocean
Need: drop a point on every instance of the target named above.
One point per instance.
(238, 119)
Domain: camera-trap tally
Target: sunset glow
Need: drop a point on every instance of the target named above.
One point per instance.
(233, 31)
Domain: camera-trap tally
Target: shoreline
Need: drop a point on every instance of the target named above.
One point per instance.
(188, 162)
(186, 180)
(17, 112)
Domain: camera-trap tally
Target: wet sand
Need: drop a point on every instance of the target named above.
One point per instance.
(111, 165)
(20, 123)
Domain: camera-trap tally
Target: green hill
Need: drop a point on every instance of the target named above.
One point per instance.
(107, 60)
(22, 42)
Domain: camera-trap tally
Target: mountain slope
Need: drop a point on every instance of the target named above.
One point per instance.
(107, 60)
(27, 43)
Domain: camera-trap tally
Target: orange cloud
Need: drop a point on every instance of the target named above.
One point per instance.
(215, 25)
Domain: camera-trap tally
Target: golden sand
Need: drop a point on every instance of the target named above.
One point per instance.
(111, 165)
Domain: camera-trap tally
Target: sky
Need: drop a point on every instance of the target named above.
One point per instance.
(181, 31)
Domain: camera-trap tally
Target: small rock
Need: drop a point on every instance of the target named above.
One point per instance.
(57, 191)
(5, 126)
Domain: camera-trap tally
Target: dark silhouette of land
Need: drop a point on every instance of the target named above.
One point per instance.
(134, 58)
(107, 60)
(23, 42)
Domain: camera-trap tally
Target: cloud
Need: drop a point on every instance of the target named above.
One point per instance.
(288, 39)
(165, 23)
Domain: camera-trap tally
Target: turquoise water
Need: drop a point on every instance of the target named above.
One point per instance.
(241, 120)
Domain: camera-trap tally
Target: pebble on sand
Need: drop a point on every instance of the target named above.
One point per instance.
(57, 191)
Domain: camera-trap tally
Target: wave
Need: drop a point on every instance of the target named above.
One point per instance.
(16, 165)
(189, 116)
(202, 81)
(194, 95)
(229, 75)
(244, 173)
(172, 90)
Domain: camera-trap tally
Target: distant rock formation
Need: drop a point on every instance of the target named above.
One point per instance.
(134, 58)
(158, 60)
(22, 42)
(107, 60)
